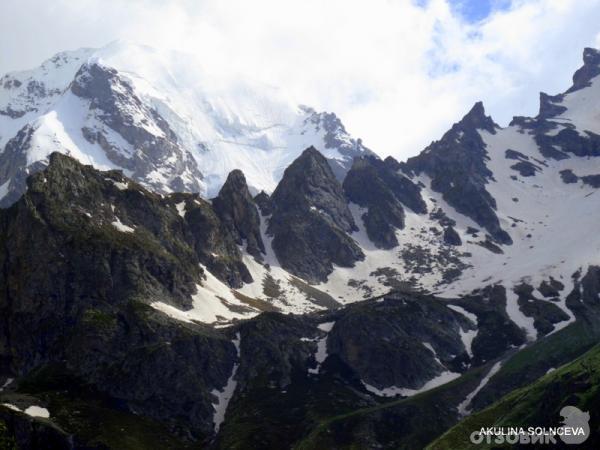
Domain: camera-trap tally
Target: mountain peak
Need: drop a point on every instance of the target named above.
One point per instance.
(476, 118)
(549, 107)
(160, 115)
(313, 153)
(311, 220)
(590, 69)
(591, 56)
(236, 180)
(237, 210)
(310, 184)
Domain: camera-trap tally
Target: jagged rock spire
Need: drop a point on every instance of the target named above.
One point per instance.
(237, 210)
(311, 220)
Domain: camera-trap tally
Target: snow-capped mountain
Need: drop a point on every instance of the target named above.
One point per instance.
(162, 118)
(476, 262)
(482, 206)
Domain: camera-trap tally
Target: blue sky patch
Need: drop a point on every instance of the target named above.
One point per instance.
(473, 10)
(476, 10)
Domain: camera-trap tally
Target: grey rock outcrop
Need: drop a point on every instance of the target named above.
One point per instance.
(311, 220)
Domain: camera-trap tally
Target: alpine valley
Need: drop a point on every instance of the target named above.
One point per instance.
(190, 261)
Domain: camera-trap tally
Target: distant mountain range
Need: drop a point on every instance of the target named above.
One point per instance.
(161, 118)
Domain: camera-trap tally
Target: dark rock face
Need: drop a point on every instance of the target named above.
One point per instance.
(215, 246)
(263, 201)
(456, 166)
(117, 106)
(590, 69)
(497, 333)
(238, 211)
(546, 315)
(384, 342)
(513, 154)
(378, 186)
(551, 288)
(311, 220)
(275, 349)
(12, 165)
(570, 142)
(525, 168)
(568, 176)
(307, 183)
(549, 105)
(451, 237)
(584, 300)
(83, 284)
(592, 180)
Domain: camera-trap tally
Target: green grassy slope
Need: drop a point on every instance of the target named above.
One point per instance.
(576, 384)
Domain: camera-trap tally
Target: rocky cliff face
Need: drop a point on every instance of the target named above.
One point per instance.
(311, 219)
(456, 165)
(84, 276)
(237, 210)
(379, 186)
(157, 158)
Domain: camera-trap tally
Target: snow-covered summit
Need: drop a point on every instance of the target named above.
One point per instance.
(161, 117)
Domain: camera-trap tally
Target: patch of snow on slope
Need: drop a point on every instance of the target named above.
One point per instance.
(6, 384)
(291, 299)
(180, 208)
(224, 395)
(210, 304)
(463, 407)
(429, 347)
(121, 226)
(321, 353)
(392, 391)
(4, 189)
(11, 406)
(538, 213)
(33, 411)
(120, 185)
(37, 411)
(467, 336)
(337, 283)
(562, 304)
(515, 314)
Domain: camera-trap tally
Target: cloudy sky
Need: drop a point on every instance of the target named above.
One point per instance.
(398, 72)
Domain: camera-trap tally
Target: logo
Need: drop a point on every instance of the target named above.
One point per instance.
(576, 419)
(574, 430)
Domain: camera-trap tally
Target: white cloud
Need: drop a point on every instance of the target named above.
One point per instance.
(398, 74)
